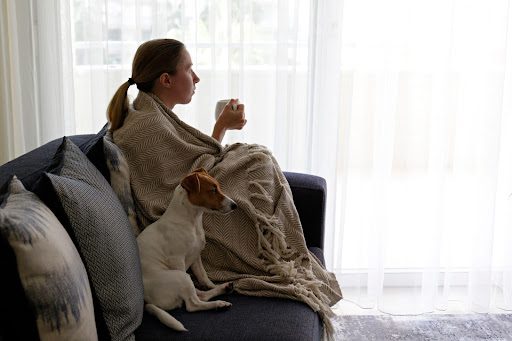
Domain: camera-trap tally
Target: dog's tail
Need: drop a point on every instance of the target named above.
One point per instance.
(165, 317)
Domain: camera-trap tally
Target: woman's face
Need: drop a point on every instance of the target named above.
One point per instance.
(185, 79)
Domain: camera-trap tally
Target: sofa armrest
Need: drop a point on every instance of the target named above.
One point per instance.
(309, 195)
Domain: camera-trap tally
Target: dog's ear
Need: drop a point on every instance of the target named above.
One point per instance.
(191, 183)
(200, 170)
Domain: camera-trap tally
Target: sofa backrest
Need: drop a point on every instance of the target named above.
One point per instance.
(28, 167)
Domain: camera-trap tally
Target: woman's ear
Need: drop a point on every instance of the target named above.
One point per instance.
(165, 80)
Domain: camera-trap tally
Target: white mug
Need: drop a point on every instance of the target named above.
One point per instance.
(220, 106)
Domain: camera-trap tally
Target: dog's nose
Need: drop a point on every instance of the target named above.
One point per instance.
(233, 205)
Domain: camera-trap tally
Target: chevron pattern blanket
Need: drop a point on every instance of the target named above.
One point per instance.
(260, 246)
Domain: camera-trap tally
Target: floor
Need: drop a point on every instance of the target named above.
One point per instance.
(399, 298)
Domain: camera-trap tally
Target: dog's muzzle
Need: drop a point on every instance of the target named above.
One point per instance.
(228, 205)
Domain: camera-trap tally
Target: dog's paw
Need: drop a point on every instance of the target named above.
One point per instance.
(223, 305)
(229, 288)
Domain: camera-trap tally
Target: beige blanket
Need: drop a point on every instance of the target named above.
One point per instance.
(260, 246)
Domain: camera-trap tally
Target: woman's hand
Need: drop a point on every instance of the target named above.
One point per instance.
(229, 119)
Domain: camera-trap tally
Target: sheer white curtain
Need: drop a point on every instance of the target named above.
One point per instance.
(403, 106)
(36, 79)
(17, 129)
(425, 204)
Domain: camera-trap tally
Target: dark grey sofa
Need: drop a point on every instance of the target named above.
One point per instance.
(250, 318)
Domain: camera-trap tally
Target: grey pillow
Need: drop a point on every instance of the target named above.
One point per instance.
(52, 274)
(91, 212)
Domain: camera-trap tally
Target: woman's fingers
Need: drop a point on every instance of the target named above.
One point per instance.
(233, 118)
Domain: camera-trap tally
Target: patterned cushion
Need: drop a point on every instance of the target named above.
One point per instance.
(90, 211)
(119, 175)
(108, 158)
(49, 267)
(94, 151)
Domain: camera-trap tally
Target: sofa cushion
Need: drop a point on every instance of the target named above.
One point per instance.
(94, 149)
(250, 318)
(119, 175)
(49, 268)
(108, 158)
(94, 218)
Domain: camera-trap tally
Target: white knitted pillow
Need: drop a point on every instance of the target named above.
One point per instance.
(51, 271)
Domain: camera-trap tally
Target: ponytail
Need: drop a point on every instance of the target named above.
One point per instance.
(118, 107)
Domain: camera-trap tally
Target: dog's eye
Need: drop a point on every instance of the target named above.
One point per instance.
(213, 190)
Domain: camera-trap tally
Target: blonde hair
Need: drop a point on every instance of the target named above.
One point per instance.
(152, 58)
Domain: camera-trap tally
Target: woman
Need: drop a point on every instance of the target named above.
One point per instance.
(260, 246)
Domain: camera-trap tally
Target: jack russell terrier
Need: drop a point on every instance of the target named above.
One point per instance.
(173, 243)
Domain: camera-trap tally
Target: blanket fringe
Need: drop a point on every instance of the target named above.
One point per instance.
(255, 167)
(260, 196)
(265, 248)
(279, 259)
(325, 312)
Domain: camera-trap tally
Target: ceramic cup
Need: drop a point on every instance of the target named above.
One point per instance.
(220, 106)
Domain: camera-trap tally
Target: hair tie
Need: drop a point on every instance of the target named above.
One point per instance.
(131, 81)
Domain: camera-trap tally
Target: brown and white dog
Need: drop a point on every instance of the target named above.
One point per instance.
(172, 244)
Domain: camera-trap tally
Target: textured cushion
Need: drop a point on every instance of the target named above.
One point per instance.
(119, 175)
(94, 150)
(49, 267)
(91, 212)
(250, 318)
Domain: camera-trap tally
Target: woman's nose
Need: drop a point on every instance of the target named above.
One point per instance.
(196, 79)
